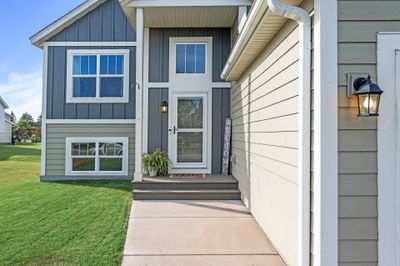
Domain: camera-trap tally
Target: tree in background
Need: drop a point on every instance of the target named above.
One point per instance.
(28, 129)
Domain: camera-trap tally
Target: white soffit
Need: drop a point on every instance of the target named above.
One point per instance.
(253, 41)
(185, 13)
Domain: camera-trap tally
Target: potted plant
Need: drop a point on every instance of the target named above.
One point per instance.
(156, 162)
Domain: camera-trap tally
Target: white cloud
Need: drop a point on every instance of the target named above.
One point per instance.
(23, 92)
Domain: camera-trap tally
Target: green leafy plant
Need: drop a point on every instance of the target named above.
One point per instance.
(157, 160)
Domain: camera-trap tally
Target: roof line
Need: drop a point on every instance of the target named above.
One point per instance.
(2, 102)
(49, 31)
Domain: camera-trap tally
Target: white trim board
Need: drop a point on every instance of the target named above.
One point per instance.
(186, 3)
(325, 227)
(388, 68)
(89, 44)
(44, 112)
(90, 121)
(215, 85)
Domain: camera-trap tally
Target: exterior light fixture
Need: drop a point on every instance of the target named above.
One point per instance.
(164, 107)
(368, 96)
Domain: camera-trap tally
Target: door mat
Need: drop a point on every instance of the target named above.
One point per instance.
(193, 176)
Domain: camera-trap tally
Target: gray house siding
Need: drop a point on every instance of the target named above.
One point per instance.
(57, 133)
(358, 25)
(105, 23)
(159, 47)
(158, 122)
(57, 108)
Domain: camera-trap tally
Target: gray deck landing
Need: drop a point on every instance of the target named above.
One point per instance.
(190, 232)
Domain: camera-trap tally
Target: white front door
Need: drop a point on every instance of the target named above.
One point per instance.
(188, 132)
(190, 97)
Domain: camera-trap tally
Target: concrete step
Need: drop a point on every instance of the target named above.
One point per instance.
(192, 194)
(233, 185)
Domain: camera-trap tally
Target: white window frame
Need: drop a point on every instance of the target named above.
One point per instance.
(98, 53)
(97, 140)
(205, 57)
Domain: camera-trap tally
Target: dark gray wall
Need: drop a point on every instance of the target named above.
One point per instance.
(57, 108)
(221, 109)
(105, 23)
(159, 49)
(158, 122)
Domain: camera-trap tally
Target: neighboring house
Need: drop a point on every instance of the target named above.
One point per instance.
(5, 124)
(310, 170)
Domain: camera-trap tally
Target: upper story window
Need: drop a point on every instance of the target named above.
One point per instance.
(98, 76)
(190, 58)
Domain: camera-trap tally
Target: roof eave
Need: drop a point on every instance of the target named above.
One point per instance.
(2, 102)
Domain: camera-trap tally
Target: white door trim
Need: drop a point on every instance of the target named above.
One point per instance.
(388, 153)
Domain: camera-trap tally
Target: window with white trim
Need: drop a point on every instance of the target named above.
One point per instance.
(190, 58)
(98, 75)
(96, 156)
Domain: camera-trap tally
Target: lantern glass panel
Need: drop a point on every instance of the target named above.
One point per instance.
(363, 104)
(373, 104)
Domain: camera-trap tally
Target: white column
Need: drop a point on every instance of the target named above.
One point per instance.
(325, 226)
(139, 96)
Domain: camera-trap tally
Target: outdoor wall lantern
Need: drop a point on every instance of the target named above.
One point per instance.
(164, 107)
(368, 95)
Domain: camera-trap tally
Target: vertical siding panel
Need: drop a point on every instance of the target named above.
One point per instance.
(157, 122)
(50, 83)
(59, 81)
(82, 111)
(83, 27)
(95, 25)
(106, 111)
(107, 21)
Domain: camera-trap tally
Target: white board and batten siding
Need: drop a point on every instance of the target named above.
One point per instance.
(57, 134)
(264, 111)
(358, 25)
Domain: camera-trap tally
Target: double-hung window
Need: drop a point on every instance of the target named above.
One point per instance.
(97, 156)
(97, 76)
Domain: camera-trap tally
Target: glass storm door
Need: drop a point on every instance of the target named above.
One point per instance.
(188, 131)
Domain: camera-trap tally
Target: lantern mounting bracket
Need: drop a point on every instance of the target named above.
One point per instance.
(351, 77)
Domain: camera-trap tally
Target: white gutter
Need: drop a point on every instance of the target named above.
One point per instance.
(304, 21)
(256, 13)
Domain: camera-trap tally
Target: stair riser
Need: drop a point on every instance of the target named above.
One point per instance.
(183, 186)
(186, 196)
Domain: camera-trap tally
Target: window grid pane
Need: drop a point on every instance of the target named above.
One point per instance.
(108, 156)
(88, 82)
(190, 58)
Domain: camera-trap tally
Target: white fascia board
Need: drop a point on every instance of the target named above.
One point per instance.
(63, 22)
(2, 102)
(256, 13)
(186, 3)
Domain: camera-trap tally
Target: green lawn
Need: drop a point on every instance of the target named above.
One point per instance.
(65, 223)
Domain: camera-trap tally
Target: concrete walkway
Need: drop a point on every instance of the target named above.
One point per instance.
(196, 233)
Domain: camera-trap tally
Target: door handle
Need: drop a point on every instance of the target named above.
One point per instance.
(173, 130)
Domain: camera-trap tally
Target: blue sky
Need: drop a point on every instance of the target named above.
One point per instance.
(20, 62)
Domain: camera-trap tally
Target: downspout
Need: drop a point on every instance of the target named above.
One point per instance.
(304, 21)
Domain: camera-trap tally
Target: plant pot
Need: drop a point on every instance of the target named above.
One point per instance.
(153, 173)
